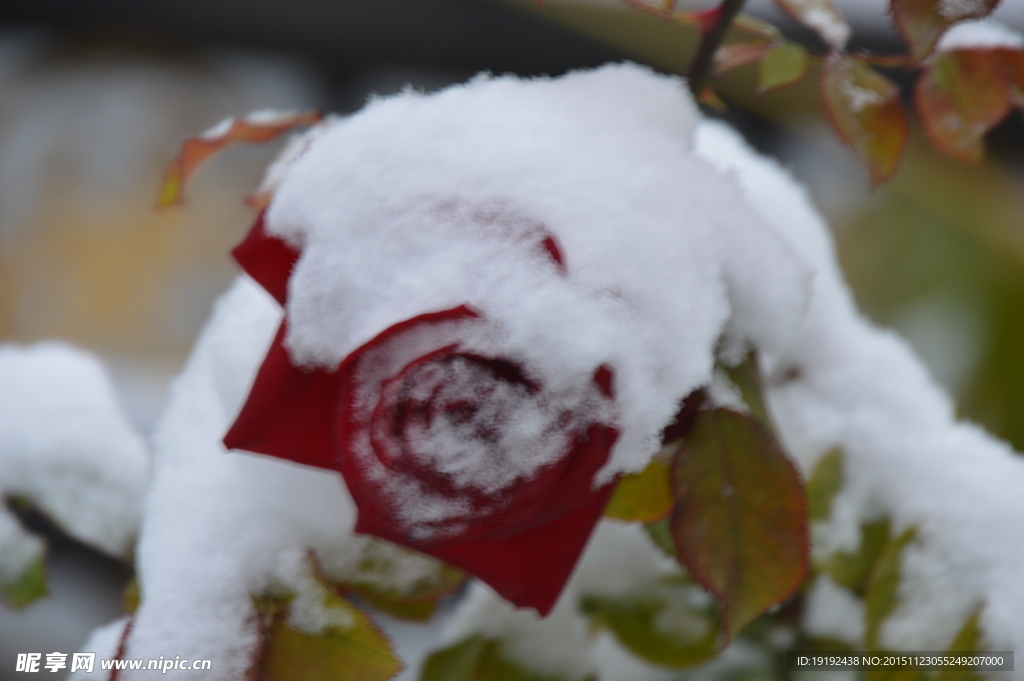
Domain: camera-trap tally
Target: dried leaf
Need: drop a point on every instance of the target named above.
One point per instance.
(825, 482)
(784, 65)
(740, 520)
(962, 94)
(260, 127)
(865, 109)
(661, 626)
(643, 497)
(922, 22)
(729, 57)
(853, 570)
(822, 17)
(881, 597)
(476, 659)
(27, 588)
(353, 651)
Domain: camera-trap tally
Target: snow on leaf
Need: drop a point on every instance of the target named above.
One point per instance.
(351, 649)
(662, 625)
(822, 17)
(825, 482)
(963, 94)
(922, 22)
(865, 109)
(258, 127)
(740, 520)
(881, 597)
(784, 65)
(645, 496)
(27, 588)
(415, 602)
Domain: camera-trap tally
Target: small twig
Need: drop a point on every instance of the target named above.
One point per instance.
(700, 69)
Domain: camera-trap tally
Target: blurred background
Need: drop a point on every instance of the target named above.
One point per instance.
(96, 97)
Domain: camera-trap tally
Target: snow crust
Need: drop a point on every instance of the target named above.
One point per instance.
(419, 204)
(980, 34)
(66, 448)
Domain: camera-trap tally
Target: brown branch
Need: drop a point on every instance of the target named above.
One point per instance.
(700, 69)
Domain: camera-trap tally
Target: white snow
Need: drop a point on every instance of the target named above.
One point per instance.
(67, 448)
(420, 204)
(980, 34)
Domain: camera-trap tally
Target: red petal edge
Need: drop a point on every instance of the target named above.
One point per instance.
(289, 411)
(267, 259)
(530, 569)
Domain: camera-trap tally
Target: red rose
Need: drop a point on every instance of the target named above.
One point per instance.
(420, 428)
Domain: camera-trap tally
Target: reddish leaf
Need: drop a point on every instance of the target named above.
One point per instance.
(195, 150)
(962, 94)
(733, 56)
(922, 22)
(822, 17)
(740, 520)
(865, 109)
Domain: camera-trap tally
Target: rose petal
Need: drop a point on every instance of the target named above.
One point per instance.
(289, 412)
(267, 259)
(530, 569)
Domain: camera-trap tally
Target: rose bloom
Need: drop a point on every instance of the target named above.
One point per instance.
(507, 469)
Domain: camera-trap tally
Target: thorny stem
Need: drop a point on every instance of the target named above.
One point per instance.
(700, 69)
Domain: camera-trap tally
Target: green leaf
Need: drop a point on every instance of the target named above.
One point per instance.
(882, 595)
(375, 581)
(746, 376)
(475, 659)
(29, 587)
(729, 57)
(645, 496)
(661, 534)
(784, 65)
(131, 596)
(962, 95)
(968, 640)
(740, 519)
(854, 570)
(662, 626)
(922, 22)
(826, 481)
(822, 17)
(352, 649)
(866, 111)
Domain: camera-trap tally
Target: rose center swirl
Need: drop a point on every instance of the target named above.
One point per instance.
(465, 423)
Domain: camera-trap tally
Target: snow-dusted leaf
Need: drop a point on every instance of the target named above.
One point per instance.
(26, 588)
(882, 593)
(962, 94)
(662, 625)
(825, 482)
(784, 65)
(853, 570)
(822, 17)
(729, 57)
(349, 648)
(645, 496)
(740, 519)
(257, 127)
(922, 22)
(476, 659)
(865, 109)
(416, 602)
